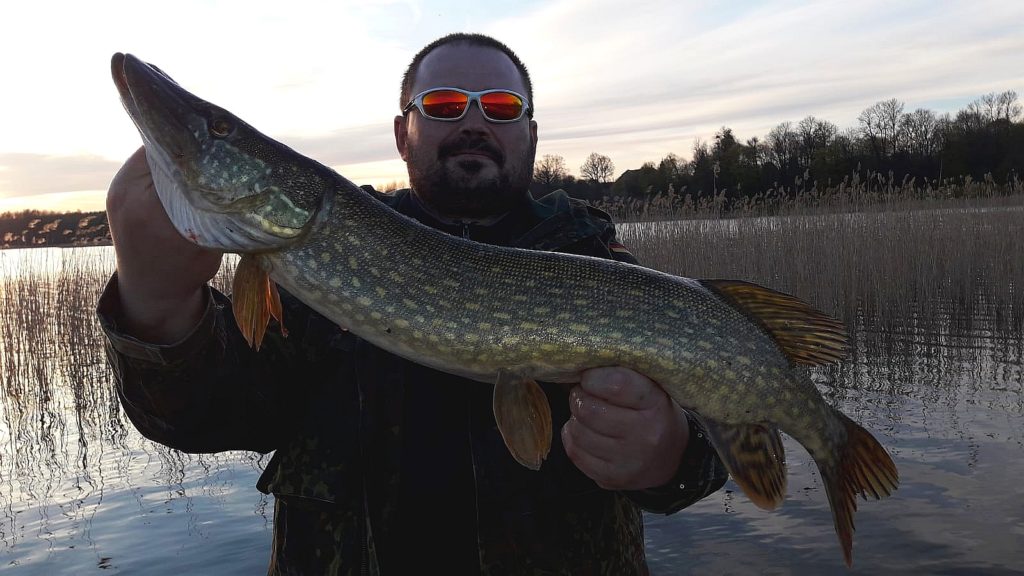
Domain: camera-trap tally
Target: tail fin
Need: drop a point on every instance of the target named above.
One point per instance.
(863, 467)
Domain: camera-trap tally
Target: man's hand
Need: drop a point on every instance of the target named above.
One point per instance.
(625, 432)
(160, 275)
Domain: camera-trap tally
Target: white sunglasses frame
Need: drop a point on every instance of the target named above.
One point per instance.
(417, 102)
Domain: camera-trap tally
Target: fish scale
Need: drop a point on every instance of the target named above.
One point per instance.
(731, 352)
(700, 342)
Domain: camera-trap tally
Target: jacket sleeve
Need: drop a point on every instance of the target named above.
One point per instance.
(701, 472)
(209, 392)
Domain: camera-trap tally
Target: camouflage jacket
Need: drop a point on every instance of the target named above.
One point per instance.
(333, 408)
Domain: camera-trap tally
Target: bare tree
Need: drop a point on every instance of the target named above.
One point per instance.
(550, 171)
(968, 120)
(814, 135)
(920, 130)
(880, 124)
(781, 146)
(1009, 107)
(754, 152)
(992, 107)
(598, 168)
(846, 144)
(672, 167)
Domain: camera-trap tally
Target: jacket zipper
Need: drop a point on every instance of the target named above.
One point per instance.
(364, 526)
(476, 485)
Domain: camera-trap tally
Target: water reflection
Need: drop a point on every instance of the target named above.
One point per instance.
(940, 383)
(950, 407)
(934, 304)
(80, 489)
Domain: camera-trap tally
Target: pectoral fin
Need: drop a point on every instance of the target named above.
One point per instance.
(254, 299)
(754, 456)
(524, 418)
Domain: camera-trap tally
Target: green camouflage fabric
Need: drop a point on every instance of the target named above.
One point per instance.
(330, 406)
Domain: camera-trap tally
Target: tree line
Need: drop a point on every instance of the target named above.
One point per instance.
(983, 140)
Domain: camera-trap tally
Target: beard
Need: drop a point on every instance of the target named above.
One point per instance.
(469, 176)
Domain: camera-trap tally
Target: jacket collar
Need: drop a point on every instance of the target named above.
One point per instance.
(549, 223)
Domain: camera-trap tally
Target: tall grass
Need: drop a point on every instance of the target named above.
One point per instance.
(59, 412)
(947, 259)
(872, 191)
(52, 384)
(919, 282)
(51, 342)
(904, 265)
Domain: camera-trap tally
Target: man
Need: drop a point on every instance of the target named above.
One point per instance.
(382, 465)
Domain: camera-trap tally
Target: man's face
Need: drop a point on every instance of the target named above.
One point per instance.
(470, 168)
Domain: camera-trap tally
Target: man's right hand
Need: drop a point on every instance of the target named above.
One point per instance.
(161, 275)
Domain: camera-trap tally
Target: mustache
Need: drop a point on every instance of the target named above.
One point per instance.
(465, 144)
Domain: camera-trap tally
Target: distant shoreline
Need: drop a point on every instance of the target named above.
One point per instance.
(98, 244)
(38, 229)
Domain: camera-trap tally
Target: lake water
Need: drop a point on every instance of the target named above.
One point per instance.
(82, 492)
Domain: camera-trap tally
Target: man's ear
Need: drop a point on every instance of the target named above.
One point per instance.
(533, 133)
(402, 137)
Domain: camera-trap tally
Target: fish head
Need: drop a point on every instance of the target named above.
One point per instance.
(224, 185)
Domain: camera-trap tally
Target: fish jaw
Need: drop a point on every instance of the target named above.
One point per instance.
(223, 185)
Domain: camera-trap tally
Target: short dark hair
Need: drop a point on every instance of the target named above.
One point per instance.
(462, 38)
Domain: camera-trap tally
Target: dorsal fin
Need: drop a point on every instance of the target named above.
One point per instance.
(805, 335)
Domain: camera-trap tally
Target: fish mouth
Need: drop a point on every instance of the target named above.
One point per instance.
(173, 126)
(155, 103)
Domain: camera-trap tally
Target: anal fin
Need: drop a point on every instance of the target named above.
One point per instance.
(755, 458)
(524, 418)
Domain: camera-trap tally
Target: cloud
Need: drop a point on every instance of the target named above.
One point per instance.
(661, 74)
(634, 80)
(351, 145)
(24, 174)
(28, 174)
(83, 201)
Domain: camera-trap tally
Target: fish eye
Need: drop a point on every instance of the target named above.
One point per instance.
(220, 127)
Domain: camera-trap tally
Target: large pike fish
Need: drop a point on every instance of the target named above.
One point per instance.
(730, 351)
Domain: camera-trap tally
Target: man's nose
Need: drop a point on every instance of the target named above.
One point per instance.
(474, 117)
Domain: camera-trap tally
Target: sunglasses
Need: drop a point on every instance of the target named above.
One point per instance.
(451, 104)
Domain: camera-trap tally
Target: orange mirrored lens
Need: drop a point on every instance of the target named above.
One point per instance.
(444, 104)
(501, 105)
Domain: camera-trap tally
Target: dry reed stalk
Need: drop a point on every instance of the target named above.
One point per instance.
(60, 419)
(899, 265)
(871, 192)
(923, 268)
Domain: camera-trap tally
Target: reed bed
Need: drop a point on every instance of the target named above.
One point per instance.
(52, 375)
(945, 261)
(902, 269)
(870, 192)
(59, 413)
(893, 253)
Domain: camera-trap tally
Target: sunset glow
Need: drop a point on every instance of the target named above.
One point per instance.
(632, 83)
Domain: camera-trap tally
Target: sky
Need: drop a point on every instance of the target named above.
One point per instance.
(631, 80)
